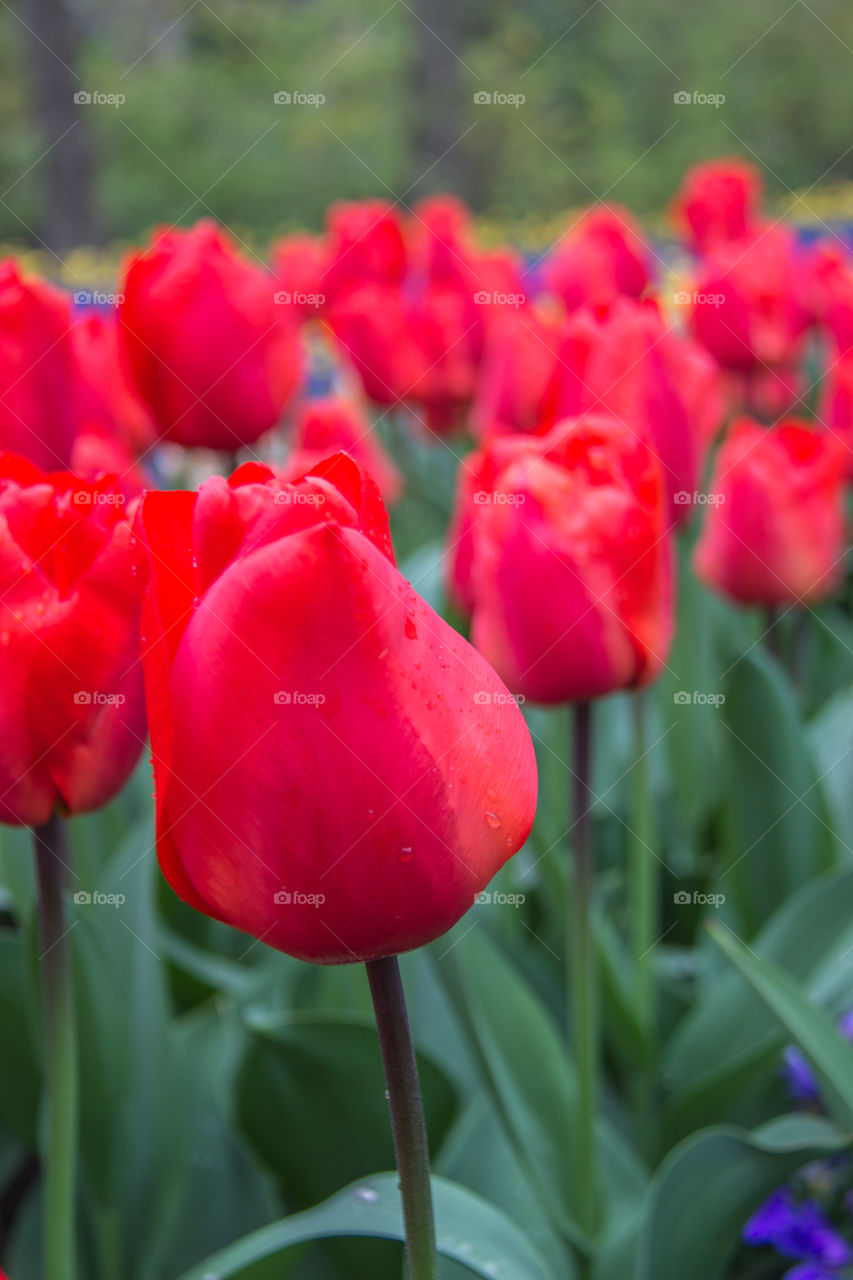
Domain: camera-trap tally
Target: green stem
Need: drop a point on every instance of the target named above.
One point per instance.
(60, 1053)
(407, 1116)
(643, 912)
(583, 976)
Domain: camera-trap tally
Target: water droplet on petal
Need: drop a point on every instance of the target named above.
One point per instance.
(493, 820)
(411, 629)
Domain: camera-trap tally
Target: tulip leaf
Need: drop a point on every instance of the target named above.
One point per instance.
(707, 1188)
(470, 1231)
(774, 813)
(812, 1029)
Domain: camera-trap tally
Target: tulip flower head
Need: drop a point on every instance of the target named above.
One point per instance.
(38, 382)
(560, 550)
(71, 692)
(211, 353)
(719, 201)
(775, 534)
(337, 771)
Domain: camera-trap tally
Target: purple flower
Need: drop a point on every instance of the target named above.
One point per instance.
(797, 1230)
(798, 1073)
(799, 1076)
(810, 1271)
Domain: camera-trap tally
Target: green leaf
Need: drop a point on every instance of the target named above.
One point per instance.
(774, 813)
(314, 1079)
(813, 1031)
(707, 1188)
(470, 1231)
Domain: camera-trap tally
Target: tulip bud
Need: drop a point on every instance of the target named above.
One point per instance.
(210, 350)
(560, 546)
(337, 771)
(775, 533)
(718, 202)
(38, 384)
(70, 677)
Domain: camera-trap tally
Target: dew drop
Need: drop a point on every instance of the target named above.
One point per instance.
(407, 853)
(367, 1194)
(411, 629)
(493, 820)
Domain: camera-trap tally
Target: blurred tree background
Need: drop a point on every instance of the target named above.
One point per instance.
(199, 130)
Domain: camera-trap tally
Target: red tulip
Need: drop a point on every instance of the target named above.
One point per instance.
(38, 384)
(210, 352)
(334, 424)
(598, 258)
(73, 720)
(560, 544)
(627, 363)
(300, 262)
(521, 356)
(718, 202)
(108, 402)
(365, 244)
(751, 303)
(776, 533)
(337, 771)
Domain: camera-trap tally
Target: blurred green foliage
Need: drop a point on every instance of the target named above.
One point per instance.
(200, 132)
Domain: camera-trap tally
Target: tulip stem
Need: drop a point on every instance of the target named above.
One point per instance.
(60, 1053)
(407, 1116)
(643, 910)
(583, 975)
